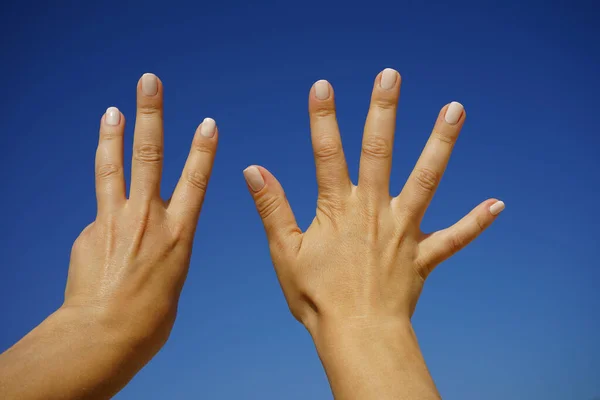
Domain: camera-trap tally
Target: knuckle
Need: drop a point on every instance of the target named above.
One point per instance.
(427, 179)
(324, 112)
(445, 136)
(111, 134)
(377, 147)
(197, 179)
(384, 103)
(481, 224)
(328, 149)
(149, 153)
(268, 205)
(202, 146)
(456, 242)
(107, 170)
(150, 109)
(330, 208)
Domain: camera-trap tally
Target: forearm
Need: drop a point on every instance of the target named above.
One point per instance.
(373, 360)
(71, 355)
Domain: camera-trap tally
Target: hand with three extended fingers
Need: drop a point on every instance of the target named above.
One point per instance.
(354, 276)
(127, 268)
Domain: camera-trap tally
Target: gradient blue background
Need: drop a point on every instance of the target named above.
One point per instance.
(514, 316)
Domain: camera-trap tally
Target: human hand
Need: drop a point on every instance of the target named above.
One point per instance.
(129, 265)
(363, 261)
(127, 268)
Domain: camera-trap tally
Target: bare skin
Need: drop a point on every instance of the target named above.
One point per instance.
(127, 268)
(354, 276)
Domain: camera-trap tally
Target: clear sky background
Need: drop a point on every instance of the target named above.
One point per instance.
(514, 316)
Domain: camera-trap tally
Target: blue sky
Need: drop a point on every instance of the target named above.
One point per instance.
(514, 316)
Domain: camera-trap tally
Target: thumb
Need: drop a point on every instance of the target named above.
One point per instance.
(441, 245)
(274, 209)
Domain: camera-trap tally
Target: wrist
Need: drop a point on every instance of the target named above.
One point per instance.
(77, 352)
(145, 327)
(123, 337)
(95, 326)
(333, 334)
(114, 347)
(372, 358)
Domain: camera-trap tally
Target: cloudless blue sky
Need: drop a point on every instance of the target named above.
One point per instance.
(514, 316)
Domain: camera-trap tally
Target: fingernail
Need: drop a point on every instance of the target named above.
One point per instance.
(254, 178)
(322, 89)
(388, 78)
(112, 116)
(207, 129)
(497, 207)
(149, 84)
(453, 112)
